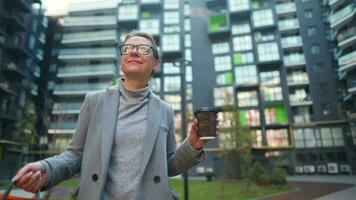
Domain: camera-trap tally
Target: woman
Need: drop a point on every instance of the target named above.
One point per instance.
(124, 144)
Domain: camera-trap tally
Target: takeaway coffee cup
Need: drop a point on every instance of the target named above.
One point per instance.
(207, 120)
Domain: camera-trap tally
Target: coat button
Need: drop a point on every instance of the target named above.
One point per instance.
(156, 179)
(94, 177)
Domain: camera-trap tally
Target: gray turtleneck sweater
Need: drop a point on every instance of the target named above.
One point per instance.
(124, 175)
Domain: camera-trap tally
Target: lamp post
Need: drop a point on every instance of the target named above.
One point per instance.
(182, 64)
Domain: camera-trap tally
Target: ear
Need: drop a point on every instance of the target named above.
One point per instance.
(156, 65)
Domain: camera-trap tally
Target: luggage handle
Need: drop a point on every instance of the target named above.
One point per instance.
(8, 190)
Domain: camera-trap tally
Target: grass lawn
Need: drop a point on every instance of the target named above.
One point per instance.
(216, 189)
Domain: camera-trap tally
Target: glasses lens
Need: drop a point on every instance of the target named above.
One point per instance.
(144, 49)
(126, 49)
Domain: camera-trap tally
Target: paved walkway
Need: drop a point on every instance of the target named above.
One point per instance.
(320, 188)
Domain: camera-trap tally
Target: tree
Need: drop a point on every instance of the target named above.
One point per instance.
(236, 143)
(25, 130)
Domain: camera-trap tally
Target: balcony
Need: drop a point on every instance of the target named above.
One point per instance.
(87, 53)
(87, 71)
(10, 114)
(298, 79)
(15, 71)
(241, 9)
(218, 26)
(106, 21)
(293, 60)
(288, 25)
(128, 15)
(347, 62)
(300, 97)
(347, 37)
(335, 3)
(15, 46)
(151, 4)
(15, 21)
(94, 37)
(66, 108)
(62, 127)
(301, 119)
(285, 8)
(21, 5)
(351, 87)
(292, 42)
(342, 16)
(6, 90)
(79, 88)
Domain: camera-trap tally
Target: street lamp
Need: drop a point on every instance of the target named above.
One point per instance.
(182, 64)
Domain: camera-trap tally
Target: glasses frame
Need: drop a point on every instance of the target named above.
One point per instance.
(136, 47)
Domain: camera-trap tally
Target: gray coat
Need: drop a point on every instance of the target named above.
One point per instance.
(89, 152)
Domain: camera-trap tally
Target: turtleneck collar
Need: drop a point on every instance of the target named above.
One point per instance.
(139, 94)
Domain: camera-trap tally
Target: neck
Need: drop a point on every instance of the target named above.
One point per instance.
(135, 84)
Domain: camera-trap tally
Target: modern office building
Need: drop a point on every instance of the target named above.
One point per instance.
(342, 22)
(86, 60)
(22, 37)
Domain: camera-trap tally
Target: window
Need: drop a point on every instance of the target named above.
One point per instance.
(240, 28)
(311, 31)
(353, 133)
(223, 96)
(222, 47)
(188, 54)
(246, 75)
(242, 43)
(272, 93)
(308, 13)
(277, 138)
(270, 78)
(222, 63)
(171, 42)
(187, 40)
(128, 12)
(238, 5)
(150, 26)
(169, 68)
(262, 18)
(318, 68)
(243, 58)
(250, 117)
(32, 42)
(187, 25)
(173, 100)
(171, 83)
(248, 98)
(189, 74)
(171, 4)
(315, 49)
(276, 114)
(171, 17)
(267, 52)
(224, 79)
(171, 28)
(318, 137)
(264, 36)
(186, 9)
(155, 84)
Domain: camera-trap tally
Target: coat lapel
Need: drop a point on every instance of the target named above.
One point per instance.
(110, 111)
(153, 122)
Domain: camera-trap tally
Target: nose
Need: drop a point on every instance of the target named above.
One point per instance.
(134, 51)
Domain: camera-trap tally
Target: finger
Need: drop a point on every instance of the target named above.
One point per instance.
(24, 179)
(24, 170)
(33, 180)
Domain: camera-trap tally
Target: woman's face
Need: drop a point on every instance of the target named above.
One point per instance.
(135, 64)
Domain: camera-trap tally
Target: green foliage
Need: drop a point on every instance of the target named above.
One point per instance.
(263, 180)
(25, 131)
(257, 170)
(279, 177)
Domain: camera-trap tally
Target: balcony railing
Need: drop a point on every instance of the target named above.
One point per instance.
(89, 21)
(302, 118)
(62, 125)
(81, 86)
(293, 41)
(342, 14)
(298, 78)
(285, 8)
(91, 68)
(347, 59)
(85, 51)
(288, 24)
(99, 35)
(67, 106)
(294, 59)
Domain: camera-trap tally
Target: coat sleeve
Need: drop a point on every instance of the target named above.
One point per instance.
(68, 163)
(180, 159)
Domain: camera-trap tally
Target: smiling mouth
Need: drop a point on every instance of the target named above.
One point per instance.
(134, 61)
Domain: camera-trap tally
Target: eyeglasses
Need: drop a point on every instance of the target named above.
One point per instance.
(142, 49)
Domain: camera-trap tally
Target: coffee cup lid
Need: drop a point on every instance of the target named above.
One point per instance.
(206, 109)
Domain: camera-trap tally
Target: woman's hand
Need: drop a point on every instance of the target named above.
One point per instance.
(193, 137)
(31, 177)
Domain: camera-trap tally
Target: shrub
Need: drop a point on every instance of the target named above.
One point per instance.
(263, 180)
(257, 170)
(279, 177)
(209, 175)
